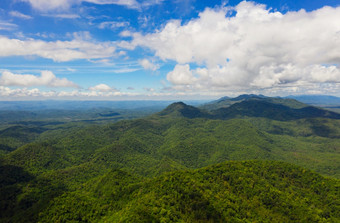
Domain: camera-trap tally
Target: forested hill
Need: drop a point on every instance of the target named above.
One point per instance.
(228, 192)
(250, 106)
(227, 101)
(276, 111)
(118, 172)
(251, 191)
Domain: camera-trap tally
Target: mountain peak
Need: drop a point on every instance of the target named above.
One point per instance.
(181, 109)
(248, 96)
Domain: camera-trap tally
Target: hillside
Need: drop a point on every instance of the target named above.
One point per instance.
(55, 168)
(227, 192)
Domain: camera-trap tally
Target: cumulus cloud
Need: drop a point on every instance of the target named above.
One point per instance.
(148, 65)
(59, 51)
(20, 15)
(181, 75)
(7, 92)
(102, 88)
(47, 78)
(249, 46)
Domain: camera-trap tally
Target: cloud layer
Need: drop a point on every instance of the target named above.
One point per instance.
(48, 5)
(249, 47)
(59, 51)
(47, 78)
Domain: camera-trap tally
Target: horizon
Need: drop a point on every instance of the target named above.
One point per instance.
(170, 100)
(157, 50)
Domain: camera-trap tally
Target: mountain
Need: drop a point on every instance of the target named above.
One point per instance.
(272, 110)
(179, 109)
(250, 106)
(225, 102)
(173, 166)
(321, 100)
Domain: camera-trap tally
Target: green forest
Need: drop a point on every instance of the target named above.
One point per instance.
(245, 159)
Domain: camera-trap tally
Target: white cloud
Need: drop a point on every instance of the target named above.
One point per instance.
(125, 70)
(62, 16)
(59, 51)
(62, 5)
(113, 25)
(253, 49)
(147, 3)
(8, 92)
(47, 78)
(7, 26)
(128, 3)
(102, 88)
(48, 5)
(125, 33)
(71, 69)
(181, 75)
(25, 93)
(148, 65)
(20, 15)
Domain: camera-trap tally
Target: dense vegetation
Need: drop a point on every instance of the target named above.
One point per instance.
(228, 192)
(76, 171)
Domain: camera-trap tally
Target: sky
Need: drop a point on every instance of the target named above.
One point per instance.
(162, 49)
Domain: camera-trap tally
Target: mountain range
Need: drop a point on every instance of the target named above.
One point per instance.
(235, 159)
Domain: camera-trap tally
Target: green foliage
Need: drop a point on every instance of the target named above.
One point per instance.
(154, 169)
(15, 136)
(249, 191)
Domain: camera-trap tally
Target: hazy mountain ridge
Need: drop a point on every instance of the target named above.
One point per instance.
(321, 100)
(251, 106)
(225, 102)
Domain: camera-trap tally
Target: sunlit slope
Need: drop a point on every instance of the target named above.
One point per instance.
(253, 191)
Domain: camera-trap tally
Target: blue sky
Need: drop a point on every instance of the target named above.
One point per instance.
(159, 49)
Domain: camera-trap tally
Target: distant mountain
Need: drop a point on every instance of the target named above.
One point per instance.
(87, 105)
(173, 166)
(179, 109)
(247, 96)
(226, 101)
(321, 100)
(250, 106)
(271, 110)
